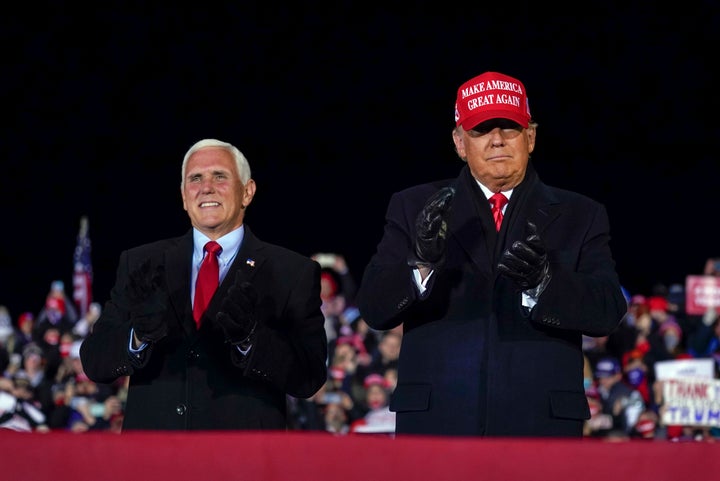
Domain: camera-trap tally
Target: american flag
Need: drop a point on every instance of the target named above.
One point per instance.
(82, 272)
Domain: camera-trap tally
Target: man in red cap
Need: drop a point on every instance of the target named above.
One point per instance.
(495, 277)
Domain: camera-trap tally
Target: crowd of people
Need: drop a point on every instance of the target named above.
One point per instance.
(43, 386)
(491, 307)
(623, 387)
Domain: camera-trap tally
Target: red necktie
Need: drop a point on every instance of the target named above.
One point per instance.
(498, 201)
(207, 280)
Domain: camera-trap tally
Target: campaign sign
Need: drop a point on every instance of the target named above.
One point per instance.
(691, 402)
(683, 368)
(701, 292)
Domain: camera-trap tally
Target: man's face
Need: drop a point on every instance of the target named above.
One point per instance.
(607, 382)
(390, 346)
(497, 152)
(213, 194)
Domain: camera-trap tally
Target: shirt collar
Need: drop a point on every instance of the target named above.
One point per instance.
(230, 244)
(488, 193)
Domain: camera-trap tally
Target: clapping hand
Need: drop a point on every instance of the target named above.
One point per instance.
(236, 317)
(147, 302)
(431, 230)
(526, 262)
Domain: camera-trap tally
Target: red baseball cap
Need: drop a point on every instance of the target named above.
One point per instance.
(657, 303)
(55, 303)
(491, 95)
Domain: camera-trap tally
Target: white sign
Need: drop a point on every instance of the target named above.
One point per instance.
(691, 402)
(685, 368)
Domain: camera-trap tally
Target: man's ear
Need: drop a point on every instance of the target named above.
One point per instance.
(531, 132)
(458, 141)
(249, 192)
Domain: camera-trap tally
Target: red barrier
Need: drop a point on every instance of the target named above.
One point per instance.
(300, 456)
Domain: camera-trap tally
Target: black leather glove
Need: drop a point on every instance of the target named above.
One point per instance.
(431, 230)
(526, 263)
(236, 317)
(148, 302)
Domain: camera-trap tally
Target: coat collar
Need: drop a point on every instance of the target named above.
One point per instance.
(471, 218)
(249, 260)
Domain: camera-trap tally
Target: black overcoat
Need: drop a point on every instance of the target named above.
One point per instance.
(473, 360)
(192, 379)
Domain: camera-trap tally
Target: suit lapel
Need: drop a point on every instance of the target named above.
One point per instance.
(472, 225)
(177, 261)
(539, 206)
(247, 263)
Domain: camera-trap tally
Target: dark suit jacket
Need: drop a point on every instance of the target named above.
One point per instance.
(473, 360)
(192, 379)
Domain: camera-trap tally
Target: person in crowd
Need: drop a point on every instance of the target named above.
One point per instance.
(336, 263)
(84, 325)
(646, 426)
(204, 359)
(705, 341)
(337, 290)
(49, 333)
(599, 423)
(676, 297)
(619, 400)
(92, 410)
(650, 340)
(344, 364)
(377, 417)
(57, 299)
(712, 267)
(596, 347)
(635, 373)
(319, 412)
(80, 404)
(33, 368)
(23, 333)
(6, 339)
(370, 337)
(384, 357)
(673, 339)
(307, 414)
(493, 304)
(18, 409)
(336, 419)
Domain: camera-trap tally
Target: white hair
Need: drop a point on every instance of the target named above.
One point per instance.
(243, 167)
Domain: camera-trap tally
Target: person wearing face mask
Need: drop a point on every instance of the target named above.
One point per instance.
(494, 276)
(671, 334)
(635, 370)
(668, 329)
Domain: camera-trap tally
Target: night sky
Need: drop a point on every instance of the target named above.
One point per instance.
(336, 108)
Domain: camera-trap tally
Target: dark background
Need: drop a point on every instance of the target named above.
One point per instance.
(338, 106)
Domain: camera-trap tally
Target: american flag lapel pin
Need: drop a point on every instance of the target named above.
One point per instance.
(250, 262)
